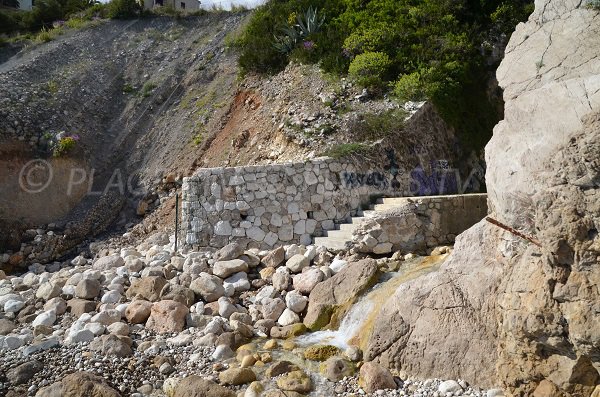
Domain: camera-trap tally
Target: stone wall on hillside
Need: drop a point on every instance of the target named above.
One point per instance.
(289, 203)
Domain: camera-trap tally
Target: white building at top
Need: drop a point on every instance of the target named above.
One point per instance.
(182, 5)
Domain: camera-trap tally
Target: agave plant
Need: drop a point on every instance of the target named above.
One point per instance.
(291, 35)
(310, 23)
(287, 40)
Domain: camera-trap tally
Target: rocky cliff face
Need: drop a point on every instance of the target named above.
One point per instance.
(508, 312)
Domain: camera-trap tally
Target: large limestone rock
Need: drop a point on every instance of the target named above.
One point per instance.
(503, 311)
(79, 384)
(167, 316)
(330, 299)
(451, 311)
(195, 386)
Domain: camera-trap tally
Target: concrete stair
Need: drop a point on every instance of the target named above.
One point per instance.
(340, 238)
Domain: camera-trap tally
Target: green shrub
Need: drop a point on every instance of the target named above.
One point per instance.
(370, 69)
(64, 146)
(123, 9)
(147, 89)
(46, 35)
(371, 39)
(8, 22)
(374, 126)
(410, 87)
(76, 23)
(346, 149)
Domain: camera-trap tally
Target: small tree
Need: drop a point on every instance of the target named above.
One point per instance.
(123, 9)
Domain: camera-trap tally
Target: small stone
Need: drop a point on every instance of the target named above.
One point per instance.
(222, 352)
(295, 301)
(288, 317)
(374, 377)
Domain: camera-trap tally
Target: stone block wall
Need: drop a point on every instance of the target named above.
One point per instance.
(268, 205)
(273, 204)
(419, 223)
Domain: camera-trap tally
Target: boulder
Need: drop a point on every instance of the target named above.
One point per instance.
(112, 345)
(196, 386)
(79, 384)
(230, 251)
(48, 290)
(22, 373)
(335, 369)
(87, 289)
(6, 326)
(288, 317)
(329, 299)
(138, 311)
(374, 377)
(295, 301)
(147, 288)
(307, 280)
(297, 262)
(272, 308)
(178, 293)
(225, 269)
(108, 262)
(281, 278)
(80, 306)
(449, 386)
(296, 381)
(237, 376)
(274, 258)
(280, 368)
(208, 287)
(167, 316)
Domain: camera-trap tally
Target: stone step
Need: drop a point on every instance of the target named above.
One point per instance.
(331, 243)
(392, 200)
(357, 220)
(386, 207)
(339, 234)
(349, 227)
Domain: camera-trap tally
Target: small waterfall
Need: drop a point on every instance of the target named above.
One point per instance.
(361, 315)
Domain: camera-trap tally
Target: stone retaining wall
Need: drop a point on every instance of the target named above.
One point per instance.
(289, 203)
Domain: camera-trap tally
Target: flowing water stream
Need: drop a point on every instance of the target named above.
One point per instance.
(357, 323)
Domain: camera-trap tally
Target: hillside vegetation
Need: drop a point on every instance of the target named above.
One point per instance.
(442, 50)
